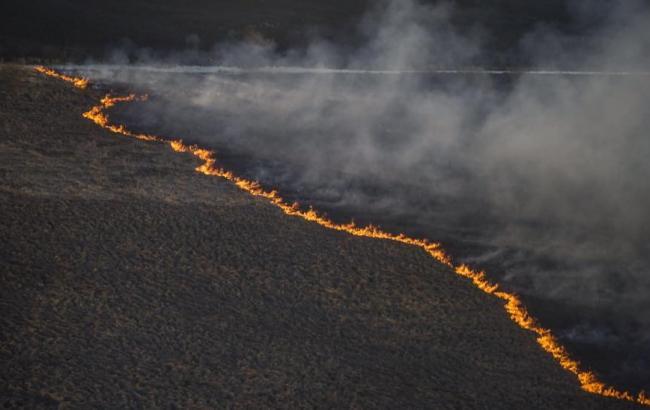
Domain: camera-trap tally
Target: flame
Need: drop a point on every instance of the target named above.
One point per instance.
(513, 305)
(78, 82)
(97, 115)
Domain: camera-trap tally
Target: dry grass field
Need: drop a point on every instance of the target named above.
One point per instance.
(130, 281)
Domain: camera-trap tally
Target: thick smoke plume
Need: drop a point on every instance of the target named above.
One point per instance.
(540, 177)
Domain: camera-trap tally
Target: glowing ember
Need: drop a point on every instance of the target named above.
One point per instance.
(513, 304)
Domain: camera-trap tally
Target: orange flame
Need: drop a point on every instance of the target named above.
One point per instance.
(78, 82)
(513, 304)
(97, 115)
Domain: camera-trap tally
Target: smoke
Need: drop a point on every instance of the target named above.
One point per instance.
(540, 178)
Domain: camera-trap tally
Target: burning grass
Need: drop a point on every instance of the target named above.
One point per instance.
(78, 82)
(512, 303)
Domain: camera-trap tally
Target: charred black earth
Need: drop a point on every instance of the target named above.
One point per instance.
(129, 280)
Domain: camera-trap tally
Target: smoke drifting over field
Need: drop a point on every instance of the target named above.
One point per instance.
(540, 178)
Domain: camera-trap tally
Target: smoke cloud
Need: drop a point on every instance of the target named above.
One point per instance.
(540, 177)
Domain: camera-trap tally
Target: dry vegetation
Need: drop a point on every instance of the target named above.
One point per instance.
(128, 280)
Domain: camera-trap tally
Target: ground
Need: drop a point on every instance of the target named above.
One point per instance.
(129, 280)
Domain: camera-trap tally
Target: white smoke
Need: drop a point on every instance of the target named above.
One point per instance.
(541, 172)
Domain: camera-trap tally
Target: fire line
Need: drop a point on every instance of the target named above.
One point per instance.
(513, 305)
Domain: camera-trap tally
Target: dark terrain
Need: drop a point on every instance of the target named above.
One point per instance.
(74, 30)
(460, 221)
(129, 280)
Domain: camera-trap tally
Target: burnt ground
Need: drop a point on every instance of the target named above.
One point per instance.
(129, 280)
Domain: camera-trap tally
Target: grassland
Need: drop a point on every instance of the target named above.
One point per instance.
(129, 280)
